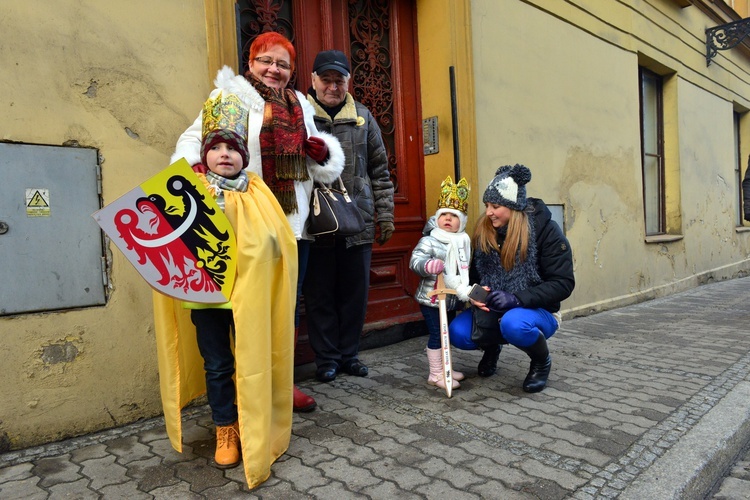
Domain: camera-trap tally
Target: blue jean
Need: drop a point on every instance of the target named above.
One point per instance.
(214, 329)
(432, 321)
(519, 326)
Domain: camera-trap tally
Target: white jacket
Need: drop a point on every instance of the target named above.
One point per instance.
(189, 144)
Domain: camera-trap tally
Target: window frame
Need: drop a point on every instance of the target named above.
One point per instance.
(647, 76)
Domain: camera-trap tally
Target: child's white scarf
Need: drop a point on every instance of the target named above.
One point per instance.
(457, 257)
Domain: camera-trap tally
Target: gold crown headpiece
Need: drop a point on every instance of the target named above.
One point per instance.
(225, 112)
(455, 196)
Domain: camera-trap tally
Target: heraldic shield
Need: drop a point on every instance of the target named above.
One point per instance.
(173, 232)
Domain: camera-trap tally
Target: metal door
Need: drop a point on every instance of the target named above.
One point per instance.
(50, 247)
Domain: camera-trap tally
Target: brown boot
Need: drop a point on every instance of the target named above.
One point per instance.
(301, 402)
(227, 446)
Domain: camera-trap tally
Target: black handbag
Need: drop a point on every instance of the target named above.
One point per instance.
(485, 328)
(333, 212)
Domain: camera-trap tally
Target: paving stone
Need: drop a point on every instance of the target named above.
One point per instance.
(565, 479)
(458, 477)
(496, 489)
(15, 473)
(336, 490)
(151, 474)
(180, 491)
(128, 449)
(437, 488)
(355, 478)
(227, 492)
(125, 491)
(387, 489)
(26, 489)
(305, 478)
(405, 477)
(88, 452)
(77, 489)
(200, 474)
(163, 448)
(56, 470)
(104, 472)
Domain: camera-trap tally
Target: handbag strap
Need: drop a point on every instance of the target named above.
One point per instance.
(342, 189)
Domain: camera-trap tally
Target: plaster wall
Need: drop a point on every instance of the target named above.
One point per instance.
(561, 96)
(110, 76)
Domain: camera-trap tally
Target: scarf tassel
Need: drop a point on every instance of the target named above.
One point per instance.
(291, 166)
(287, 199)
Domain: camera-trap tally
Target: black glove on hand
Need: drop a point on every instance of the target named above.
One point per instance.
(500, 301)
(386, 231)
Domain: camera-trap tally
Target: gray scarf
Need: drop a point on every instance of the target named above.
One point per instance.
(221, 184)
(522, 276)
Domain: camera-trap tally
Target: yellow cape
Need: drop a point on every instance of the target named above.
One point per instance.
(263, 301)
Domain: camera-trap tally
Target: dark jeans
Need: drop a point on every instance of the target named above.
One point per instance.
(336, 287)
(303, 254)
(214, 328)
(432, 321)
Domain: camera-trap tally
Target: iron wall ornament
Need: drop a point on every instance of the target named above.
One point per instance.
(725, 36)
(372, 66)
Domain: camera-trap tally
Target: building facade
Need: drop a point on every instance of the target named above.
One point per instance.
(636, 141)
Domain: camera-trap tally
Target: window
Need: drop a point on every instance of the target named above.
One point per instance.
(652, 148)
(737, 170)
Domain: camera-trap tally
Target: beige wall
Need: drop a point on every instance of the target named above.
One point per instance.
(89, 71)
(562, 98)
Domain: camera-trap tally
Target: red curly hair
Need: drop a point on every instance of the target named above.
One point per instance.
(269, 39)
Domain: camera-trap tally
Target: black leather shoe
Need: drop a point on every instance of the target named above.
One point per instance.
(488, 363)
(356, 368)
(327, 373)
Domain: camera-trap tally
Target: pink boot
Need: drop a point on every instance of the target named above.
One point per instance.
(436, 370)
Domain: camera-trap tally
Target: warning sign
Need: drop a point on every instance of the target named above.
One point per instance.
(37, 202)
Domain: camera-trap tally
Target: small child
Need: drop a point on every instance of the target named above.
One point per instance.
(445, 248)
(224, 155)
(252, 334)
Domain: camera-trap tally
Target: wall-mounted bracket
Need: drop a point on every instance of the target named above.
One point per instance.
(725, 36)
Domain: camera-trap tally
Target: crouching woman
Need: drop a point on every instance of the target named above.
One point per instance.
(525, 262)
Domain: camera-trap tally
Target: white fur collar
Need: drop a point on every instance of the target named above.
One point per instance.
(238, 85)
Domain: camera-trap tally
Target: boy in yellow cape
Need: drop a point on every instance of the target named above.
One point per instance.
(249, 385)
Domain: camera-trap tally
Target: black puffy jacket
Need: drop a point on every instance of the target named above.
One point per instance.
(554, 262)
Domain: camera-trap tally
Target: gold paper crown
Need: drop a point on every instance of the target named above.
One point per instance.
(225, 112)
(455, 196)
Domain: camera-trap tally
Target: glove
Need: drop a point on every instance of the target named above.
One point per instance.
(500, 301)
(434, 266)
(386, 231)
(317, 149)
(199, 168)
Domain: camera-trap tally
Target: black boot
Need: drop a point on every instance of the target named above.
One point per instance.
(541, 363)
(488, 363)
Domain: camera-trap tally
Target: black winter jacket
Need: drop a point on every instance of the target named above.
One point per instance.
(554, 262)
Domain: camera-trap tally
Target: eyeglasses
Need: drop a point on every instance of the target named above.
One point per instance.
(268, 61)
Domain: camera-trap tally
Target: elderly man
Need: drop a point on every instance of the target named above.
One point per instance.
(338, 273)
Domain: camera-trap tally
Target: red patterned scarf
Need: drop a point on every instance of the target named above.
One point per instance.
(282, 139)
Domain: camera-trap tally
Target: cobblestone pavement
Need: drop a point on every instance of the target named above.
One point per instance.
(646, 401)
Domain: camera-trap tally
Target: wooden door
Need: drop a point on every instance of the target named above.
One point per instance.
(380, 38)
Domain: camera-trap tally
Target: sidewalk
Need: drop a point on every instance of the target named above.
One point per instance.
(650, 401)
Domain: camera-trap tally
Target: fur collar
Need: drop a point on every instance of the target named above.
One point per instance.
(238, 85)
(348, 112)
